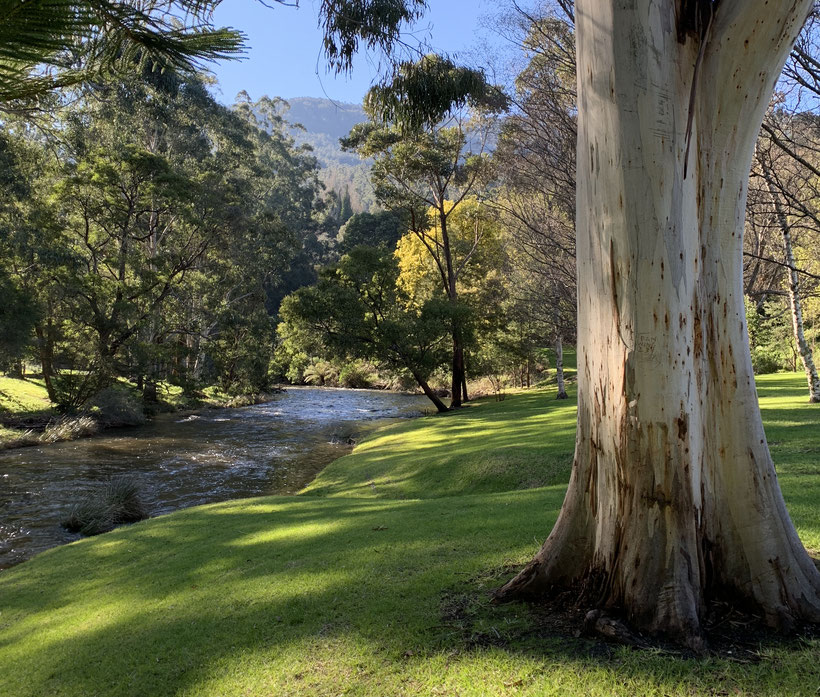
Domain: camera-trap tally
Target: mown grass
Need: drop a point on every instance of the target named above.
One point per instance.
(521, 443)
(23, 397)
(369, 590)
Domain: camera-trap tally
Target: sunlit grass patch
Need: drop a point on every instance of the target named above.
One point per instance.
(23, 397)
(523, 442)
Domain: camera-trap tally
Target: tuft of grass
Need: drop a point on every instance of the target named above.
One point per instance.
(117, 503)
(365, 593)
(69, 428)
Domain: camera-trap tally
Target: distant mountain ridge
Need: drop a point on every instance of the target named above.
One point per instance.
(325, 121)
(325, 115)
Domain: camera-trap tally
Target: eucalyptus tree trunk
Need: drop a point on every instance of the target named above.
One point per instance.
(458, 383)
(428, 392)
(45, 346)
(803, 347)
(673, 498)
(559, 367)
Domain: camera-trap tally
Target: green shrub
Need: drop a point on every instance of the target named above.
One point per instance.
(357, 374)
(247, 400)
(766, 360)
(73, 389)
(770, 335)
(116, 504)
(117, 406)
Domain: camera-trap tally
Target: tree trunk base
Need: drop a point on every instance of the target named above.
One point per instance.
(729, 631)
(727, 628)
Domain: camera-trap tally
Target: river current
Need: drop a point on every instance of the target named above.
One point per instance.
(180, 461)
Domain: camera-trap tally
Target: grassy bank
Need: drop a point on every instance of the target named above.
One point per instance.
(374, 581)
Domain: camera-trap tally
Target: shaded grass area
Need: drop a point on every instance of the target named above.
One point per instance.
(283, 596)
(362, 593)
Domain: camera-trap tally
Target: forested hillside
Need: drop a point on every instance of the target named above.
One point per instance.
(324, 122)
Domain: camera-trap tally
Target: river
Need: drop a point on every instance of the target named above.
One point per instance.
(180, 461)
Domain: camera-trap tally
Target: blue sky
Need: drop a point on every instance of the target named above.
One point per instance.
(284, 58)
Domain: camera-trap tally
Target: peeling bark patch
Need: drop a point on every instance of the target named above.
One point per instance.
(683, 426)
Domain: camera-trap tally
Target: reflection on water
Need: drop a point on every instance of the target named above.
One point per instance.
(270, 448)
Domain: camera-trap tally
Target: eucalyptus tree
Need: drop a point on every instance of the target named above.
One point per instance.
(476, 246)
(16, 316)
(673, 497)
(273, 220)
(372, 229)
(147, 179)
(32, 259)
(425, 165)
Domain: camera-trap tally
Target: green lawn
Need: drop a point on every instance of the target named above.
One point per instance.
(23, 397)
(372, 582)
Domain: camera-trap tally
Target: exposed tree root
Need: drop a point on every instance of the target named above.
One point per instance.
(610, 628)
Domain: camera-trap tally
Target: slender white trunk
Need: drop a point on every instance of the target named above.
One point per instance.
(673, 497)
(803, 347)
(559, 367)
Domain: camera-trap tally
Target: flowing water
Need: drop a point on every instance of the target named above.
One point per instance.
(179, 461)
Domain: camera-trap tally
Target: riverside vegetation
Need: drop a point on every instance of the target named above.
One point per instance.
(376, 579)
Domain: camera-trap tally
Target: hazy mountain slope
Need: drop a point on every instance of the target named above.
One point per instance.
(324, 122)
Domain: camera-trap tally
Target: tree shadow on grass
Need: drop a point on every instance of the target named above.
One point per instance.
(300, 596)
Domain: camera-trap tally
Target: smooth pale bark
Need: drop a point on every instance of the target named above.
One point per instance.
(673, 498)
(803, 347)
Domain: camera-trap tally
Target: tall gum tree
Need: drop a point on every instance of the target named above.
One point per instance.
(673, 498)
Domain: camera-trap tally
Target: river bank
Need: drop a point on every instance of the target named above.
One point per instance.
(28, 418)
(375, 580)
(186, 458)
